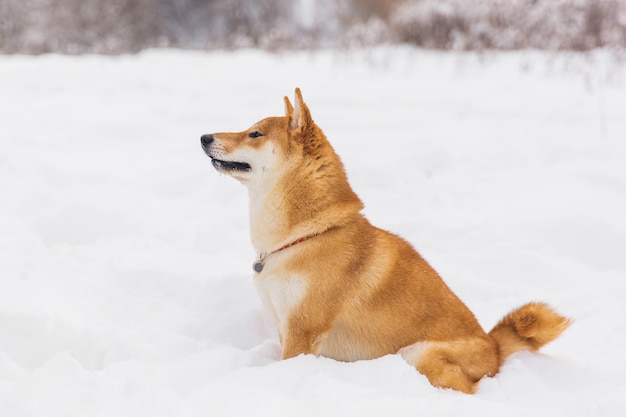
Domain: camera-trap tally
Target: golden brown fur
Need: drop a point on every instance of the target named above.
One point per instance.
(355, 291)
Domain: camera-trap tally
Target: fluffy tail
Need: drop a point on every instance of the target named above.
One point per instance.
(527, 328)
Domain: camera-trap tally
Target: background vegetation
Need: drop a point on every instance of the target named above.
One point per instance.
(121, 26)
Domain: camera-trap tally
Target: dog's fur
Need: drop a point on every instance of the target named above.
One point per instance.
(355, 291)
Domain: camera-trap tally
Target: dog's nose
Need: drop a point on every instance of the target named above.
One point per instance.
(206, 139)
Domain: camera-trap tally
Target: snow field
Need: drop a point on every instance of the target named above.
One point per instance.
(125, 263)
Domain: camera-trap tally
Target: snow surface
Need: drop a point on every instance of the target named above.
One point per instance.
(125, 263)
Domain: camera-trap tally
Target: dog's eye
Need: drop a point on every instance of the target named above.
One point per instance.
(255, 134)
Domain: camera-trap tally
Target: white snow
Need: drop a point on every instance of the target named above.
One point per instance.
(125, 263)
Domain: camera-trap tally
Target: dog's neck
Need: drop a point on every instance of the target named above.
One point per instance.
(267, 219)
(308, 198)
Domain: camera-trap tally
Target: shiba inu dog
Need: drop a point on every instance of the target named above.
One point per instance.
(338, 286)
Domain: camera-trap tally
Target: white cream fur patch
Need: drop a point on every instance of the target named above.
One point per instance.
(412, 353)
(281, 294)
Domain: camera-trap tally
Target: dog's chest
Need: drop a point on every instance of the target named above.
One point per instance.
(280, 294)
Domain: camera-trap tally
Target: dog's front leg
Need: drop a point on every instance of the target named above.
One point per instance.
(302, 336)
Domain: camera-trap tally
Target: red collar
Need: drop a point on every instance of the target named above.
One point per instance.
(258, 265)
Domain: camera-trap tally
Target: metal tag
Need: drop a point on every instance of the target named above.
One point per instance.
(258, 266)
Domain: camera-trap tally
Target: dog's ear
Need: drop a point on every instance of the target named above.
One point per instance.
(288, 109)
(298, 117)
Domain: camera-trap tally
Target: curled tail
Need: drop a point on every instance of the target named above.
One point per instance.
(527, 328)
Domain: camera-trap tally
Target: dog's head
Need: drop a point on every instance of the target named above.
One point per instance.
(267, 148)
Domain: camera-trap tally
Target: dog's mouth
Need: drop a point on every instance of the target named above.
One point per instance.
(230, 165)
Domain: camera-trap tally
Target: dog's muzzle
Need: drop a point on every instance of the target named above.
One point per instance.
(206, 141)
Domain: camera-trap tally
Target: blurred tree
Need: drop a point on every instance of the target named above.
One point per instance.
(78, 26)
(116, 26)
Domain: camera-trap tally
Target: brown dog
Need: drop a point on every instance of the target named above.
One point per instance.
(338, 286)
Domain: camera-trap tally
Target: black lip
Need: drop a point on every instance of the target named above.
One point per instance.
(230, 165)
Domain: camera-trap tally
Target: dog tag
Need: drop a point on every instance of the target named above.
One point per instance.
(258, 266)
